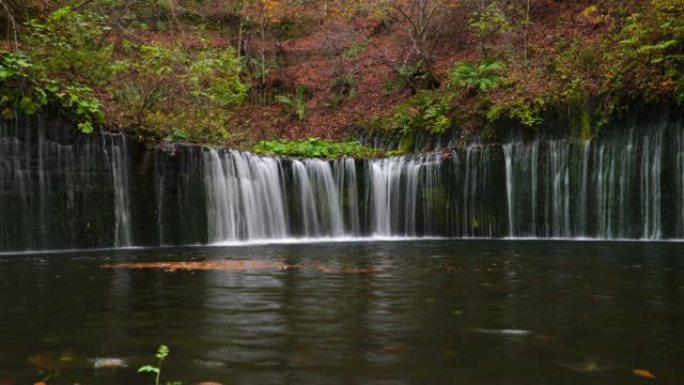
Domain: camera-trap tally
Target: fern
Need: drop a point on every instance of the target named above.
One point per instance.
(295, 104)
(482, 77)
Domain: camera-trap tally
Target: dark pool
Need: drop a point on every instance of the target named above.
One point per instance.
(425, 312)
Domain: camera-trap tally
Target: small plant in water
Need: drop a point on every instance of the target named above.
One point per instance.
(162, 353)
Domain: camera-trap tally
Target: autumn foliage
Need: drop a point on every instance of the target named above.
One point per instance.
(235, 72)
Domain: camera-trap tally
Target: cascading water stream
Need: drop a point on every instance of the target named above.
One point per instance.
(679, 177)
(244, 197)
(584, 189)
(346, 184)
(508, 154)
(56, 193)
(403, 195)
(59, 193)
(115, 150)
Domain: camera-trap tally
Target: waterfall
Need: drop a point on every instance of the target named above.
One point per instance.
(159, 178)
(534, 178)
(115, 149)
(347, 185)
(558, 189)
(245, 197)
(584, 189)
(508, 154)
(627, 160)
(651, 161)
(58, 193)
(326, 198)
(478, 214)
(608, 189)
(679, 177)
(382, 174)
(405, 192)
(62, 190)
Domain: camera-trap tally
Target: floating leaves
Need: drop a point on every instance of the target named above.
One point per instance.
(644, 374)
(223, 265)
(237, 265)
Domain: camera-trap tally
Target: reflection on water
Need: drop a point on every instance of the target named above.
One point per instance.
(428, 312)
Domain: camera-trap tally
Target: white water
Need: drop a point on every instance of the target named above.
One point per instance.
(609, 190)
(56, 195)
(244, 197)
(508, 154)
(402, 192)
(115, 150)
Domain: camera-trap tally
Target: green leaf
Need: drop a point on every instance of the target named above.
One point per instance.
(148, 369)
(162, 352)
(27, 105)
(85, 127)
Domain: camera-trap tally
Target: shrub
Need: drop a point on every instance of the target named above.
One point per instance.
(650, 59)
(481, 77)
(295, 105)
(314, 148)
(165, 90)
(26, 87)
(342, 87)
(71, 44)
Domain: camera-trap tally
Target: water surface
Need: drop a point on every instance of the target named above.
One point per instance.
(419, 312)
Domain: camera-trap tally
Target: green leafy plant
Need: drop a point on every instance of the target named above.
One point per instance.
(168, 90)
(481, 77)
(650, 57)
(162, 353)
(295, 104)
(527, 113)
(314, 148)
(427, 111)
(342, 87)
(413, 76)
(489, 22)
(177, 135)
(72, 43)
(260, 69)
(215, 75)
(354, 51)
(26, 87)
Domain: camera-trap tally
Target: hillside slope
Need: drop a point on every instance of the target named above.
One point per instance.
(235, 72)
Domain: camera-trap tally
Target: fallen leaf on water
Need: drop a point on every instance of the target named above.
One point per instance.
(40, 383)
(644, 373)
(225, 265)
(236, 266)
